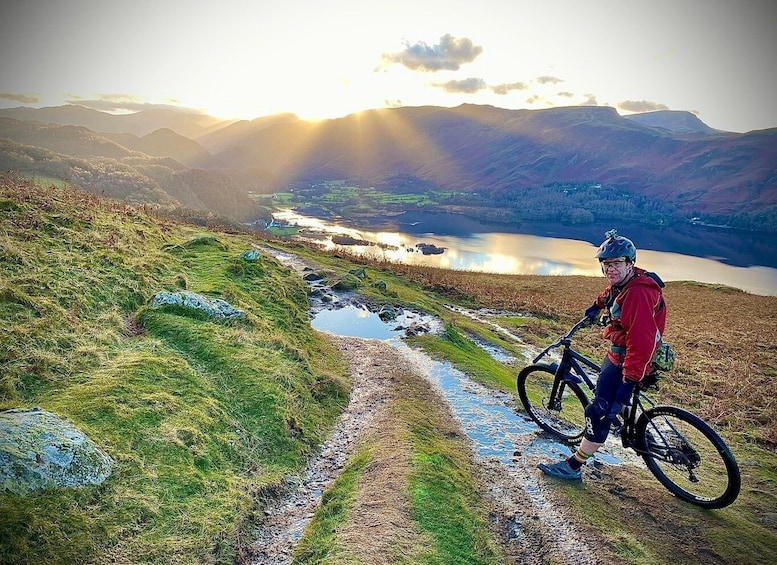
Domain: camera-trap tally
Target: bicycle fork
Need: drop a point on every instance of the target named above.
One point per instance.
(563, 376)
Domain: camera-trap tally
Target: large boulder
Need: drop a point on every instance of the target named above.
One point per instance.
(39, 450)
(214, 307)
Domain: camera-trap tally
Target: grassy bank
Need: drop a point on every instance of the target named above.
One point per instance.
(199, 415)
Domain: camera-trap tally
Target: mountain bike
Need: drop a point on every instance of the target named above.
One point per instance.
(681, 450)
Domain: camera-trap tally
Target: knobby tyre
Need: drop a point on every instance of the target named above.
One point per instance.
(688, 457)
(564, 416)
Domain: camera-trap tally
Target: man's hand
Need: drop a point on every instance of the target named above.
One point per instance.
(592, 312)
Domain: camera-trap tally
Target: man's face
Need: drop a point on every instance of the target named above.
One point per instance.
(616, 270)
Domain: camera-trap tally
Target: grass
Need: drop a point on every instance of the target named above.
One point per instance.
(199, 415)
(202, 417)
(320, 543)
(444, 497)
(468, 357)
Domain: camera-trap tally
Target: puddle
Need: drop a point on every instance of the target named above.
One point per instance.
(356, 320)
(489, 418)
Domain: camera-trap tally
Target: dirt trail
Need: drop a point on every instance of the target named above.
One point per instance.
(529, 534)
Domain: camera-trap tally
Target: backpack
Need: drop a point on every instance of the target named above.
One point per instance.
(664, 357)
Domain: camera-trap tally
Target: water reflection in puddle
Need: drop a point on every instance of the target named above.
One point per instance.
(353, 321)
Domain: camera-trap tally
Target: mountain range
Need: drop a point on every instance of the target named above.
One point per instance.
(193, 160)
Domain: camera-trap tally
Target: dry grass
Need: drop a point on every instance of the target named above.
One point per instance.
(725, 339)
(726, 342)
(548, 296)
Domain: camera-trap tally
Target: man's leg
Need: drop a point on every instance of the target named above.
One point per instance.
(597, 423)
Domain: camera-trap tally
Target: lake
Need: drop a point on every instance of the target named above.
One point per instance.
(742, 260)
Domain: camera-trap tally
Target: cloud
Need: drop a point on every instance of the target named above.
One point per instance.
(590, 100)
(23, 98)
(641, 106)
(448, 55)
(467, 86)
(546, 79)
(508, 87)
(566, 94)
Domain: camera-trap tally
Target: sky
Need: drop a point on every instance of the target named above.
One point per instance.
(323, 59)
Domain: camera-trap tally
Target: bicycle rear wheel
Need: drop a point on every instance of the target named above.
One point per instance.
(563, 416)
(688, 457)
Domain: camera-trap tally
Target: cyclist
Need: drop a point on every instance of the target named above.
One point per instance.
(634, 323)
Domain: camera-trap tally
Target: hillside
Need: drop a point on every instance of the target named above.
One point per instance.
(495, 159)
(209, 421)
(199, 415)
(145, 170)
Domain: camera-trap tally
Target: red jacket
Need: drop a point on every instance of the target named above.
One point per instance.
(637, 314)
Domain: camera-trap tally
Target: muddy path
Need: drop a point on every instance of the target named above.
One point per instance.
(529, 514)
(531, 527)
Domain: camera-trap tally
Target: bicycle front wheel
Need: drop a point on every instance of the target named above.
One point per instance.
(688, 457)
(562, 416)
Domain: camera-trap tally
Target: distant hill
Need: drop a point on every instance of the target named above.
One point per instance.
(76, 141)
(184, 122)
(673, 121)
(163, 142)
(497, 151)
(504, 158)
(146, 171)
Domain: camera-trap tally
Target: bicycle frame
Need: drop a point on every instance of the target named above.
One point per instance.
(571, 368)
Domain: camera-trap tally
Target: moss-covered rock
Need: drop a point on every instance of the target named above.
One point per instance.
(39, 450)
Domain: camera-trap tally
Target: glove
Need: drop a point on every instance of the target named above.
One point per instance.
(649, 380)
(592, 312)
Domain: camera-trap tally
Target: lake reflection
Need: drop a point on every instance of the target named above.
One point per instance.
(517, 253)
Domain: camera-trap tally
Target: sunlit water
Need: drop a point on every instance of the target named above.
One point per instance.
(515, 253)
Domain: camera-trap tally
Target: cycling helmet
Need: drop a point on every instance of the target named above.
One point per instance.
(616, 246)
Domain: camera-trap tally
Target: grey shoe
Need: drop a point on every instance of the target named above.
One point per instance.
(561, 470)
